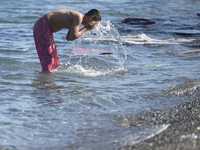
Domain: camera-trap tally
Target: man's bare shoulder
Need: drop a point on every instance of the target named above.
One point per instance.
(75, 14)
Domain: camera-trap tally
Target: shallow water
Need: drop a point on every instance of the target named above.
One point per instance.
(84, 104)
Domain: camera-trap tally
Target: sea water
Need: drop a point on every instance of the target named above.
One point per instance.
(90, 101)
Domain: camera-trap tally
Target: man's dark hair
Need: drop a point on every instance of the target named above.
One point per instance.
(95, 13)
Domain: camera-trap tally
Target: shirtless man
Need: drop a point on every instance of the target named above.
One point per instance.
(53, 22)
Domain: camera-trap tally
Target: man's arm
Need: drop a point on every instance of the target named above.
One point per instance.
(74, 31)
(73, 34)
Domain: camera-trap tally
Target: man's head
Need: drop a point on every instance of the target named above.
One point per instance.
(95, 14)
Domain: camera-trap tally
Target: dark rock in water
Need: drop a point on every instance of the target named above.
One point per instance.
(137, 21)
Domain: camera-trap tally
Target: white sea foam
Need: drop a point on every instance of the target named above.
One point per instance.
(190, 136)
(142, 135)
(92, 72)
(144, 39)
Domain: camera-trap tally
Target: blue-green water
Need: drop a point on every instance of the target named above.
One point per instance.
(84, 104)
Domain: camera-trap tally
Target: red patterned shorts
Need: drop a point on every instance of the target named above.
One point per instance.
(45, 45)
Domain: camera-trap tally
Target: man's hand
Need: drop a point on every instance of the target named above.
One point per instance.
(92, 25)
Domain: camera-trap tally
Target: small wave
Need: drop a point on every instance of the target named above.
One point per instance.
(189, 136)
(91, 72)
(187, 88)
(142, 135)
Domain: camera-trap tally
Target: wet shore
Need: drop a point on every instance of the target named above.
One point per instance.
(183, 132)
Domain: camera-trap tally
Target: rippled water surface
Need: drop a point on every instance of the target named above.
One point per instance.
(84, 104)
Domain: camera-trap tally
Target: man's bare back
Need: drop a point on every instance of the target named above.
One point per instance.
(59, 19)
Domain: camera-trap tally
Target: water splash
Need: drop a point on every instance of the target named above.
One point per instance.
(104, 29)
(107, 29)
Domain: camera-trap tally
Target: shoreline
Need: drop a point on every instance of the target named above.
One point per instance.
(183, 132)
